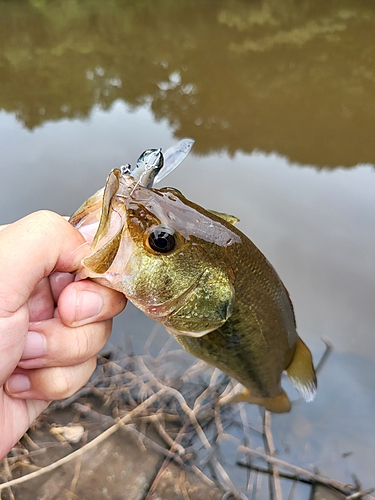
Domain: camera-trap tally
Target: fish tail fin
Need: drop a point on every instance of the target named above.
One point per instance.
(301, 371)
(278, 404)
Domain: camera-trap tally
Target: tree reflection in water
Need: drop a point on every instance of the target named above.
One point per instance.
(292, 77)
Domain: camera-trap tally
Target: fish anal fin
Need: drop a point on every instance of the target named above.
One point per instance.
(277, 404)
(232, 219)
(100, 261)
(301, 371)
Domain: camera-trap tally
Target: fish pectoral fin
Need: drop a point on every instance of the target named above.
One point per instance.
(301, 371)
(277, 404)
(232, 219)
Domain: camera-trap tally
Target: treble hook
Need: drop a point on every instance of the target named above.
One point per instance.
(148, 165)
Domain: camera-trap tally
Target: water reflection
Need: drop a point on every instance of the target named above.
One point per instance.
(292, 77)
(315, 227)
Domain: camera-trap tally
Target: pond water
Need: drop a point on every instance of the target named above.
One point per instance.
(280, 99)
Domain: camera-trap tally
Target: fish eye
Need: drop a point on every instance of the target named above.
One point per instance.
(162, 240)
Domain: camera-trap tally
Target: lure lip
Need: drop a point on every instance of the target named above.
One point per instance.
(173, 157)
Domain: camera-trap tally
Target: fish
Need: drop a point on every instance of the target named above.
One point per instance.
(192, 270)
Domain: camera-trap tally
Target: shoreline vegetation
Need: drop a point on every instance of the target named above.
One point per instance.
(153, 427)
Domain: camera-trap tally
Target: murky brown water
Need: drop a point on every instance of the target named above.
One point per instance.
(280, 98)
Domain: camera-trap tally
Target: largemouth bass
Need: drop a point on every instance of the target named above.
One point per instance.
(193, 271)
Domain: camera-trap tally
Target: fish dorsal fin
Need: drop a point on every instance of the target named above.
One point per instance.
(107, 239)
(88, 211)
(232, 219)
(111, 188)
(301, 371)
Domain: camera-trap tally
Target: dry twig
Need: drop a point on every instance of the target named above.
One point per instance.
(300, 472)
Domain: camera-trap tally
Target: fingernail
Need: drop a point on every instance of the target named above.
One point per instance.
(18, 382)
(88, 305)
(35, 346)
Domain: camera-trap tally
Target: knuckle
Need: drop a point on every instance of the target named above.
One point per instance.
(44, 220)
(107, 329)
(48, 215)
(82, 349)
(92, 338)
(62, 384)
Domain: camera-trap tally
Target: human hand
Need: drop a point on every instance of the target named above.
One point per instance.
(47, 352)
